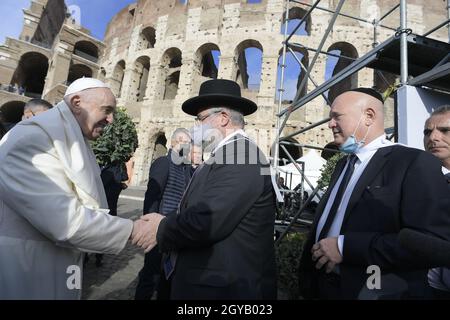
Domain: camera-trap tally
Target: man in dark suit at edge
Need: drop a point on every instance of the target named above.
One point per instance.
(436, 140)
(377, 190)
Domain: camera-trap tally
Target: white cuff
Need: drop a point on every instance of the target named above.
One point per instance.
(341, 245)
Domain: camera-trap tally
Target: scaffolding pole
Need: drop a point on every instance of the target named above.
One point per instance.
(345, 15)
(309, 75)
(403, 44)
(322, 42)
(281, 91)
(448, 17)
(309, 146)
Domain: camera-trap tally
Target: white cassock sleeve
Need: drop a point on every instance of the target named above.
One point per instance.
(34, 185)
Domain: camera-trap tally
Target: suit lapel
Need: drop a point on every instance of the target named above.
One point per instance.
(374, 167)
(206, 167)
(202, 169)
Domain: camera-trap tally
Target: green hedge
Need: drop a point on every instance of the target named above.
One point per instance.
(118, 142)
(327, 171)
(288, 255)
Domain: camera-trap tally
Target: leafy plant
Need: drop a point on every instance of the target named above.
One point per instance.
(288, 255)
(327, 171)
(118, 141)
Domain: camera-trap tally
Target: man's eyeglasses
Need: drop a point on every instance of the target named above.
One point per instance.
(199, 119)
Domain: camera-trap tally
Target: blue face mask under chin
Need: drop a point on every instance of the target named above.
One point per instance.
(351, 145)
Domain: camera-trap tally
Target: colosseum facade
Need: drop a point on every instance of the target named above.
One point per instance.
(156, 54)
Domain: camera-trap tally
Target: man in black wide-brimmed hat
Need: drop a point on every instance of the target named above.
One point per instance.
(219, 245)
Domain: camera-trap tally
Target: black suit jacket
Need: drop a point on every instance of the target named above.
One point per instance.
(400, 188)
(224, 231)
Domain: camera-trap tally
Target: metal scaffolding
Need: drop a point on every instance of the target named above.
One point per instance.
(390, 56)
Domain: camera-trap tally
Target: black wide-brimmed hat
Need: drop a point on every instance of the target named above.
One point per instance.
(223, 93)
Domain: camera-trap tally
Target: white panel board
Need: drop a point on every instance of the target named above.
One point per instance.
(414, 107)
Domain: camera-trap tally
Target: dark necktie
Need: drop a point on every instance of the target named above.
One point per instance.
(447, 176)
(338, 198)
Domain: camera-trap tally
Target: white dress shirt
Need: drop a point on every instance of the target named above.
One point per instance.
(364, 155)
(228, 139)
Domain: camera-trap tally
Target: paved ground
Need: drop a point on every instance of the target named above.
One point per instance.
(117, 278)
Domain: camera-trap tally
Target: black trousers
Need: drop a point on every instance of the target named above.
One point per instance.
(152, 278)
(440, 294)
(113, 190)
(329, 285)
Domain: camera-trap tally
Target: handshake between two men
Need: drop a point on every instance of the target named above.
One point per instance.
(144, 231)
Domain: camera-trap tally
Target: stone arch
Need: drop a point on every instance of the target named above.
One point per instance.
(30, 74)
(117, 78)
(206, 64)
(295, 15)
(159, 146)
(171, 62)
(172, 58)
(77, 71)
(254, 48)
(207, 55)
(147, 38)
(140, 78)
(154, 148)
(171, 86)
(86, 50)
(12, 111)
(345, 50)
(294, 73)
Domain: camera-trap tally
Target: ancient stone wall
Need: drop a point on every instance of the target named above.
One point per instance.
(52, 52)
(231, 26)
(155, 55)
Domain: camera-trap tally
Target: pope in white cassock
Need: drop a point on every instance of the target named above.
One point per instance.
(52, 202)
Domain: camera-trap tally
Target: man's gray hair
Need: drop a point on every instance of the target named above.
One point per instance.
(179, 131)
(237, 118)
(441, 110)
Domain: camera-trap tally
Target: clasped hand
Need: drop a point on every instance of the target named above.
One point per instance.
(145, 230)
(326, 253)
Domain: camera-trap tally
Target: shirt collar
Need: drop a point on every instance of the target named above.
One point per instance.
(445, 170)
(366, 151)
(228, 137)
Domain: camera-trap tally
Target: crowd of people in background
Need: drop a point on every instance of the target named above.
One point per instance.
(14, 88)
(207, 225)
